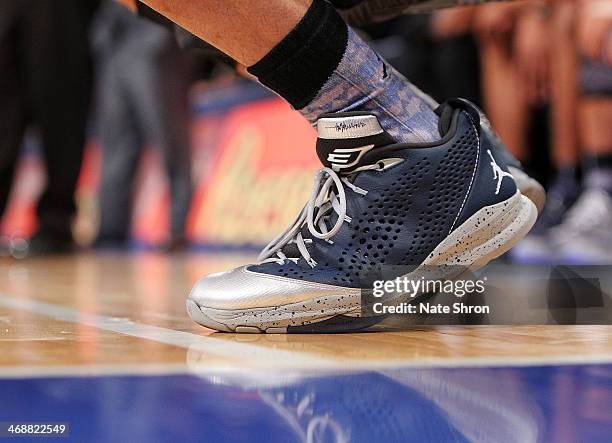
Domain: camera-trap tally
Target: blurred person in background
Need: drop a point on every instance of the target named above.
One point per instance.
(45, 81)
(514, 41)
(585, 234)
(575, 225)
(143, 98)
(564, 188)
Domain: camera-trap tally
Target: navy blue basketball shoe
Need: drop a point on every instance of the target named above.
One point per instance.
(375, 204)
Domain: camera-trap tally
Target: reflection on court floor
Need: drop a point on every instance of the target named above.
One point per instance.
(520, 404)
(103, 342)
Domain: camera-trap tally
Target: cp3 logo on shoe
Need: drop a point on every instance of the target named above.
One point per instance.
(347, 158)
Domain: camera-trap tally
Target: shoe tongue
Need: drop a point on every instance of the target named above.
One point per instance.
(345, 138)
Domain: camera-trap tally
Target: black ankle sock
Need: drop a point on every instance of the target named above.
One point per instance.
(298, 67)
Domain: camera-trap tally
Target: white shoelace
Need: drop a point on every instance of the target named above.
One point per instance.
(328, 192)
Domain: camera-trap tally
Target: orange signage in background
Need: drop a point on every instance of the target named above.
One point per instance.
(260, 177)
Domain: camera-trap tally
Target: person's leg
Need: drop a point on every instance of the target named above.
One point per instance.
(60, 82)
(585, 234)
(308, 55)
(595, 104)
(159, 86)
(595, 107)
(377, 201)
(564, 188)
(564, 92)
(301, 69)
(360, 13)
(175, 142)
(590, 217)
(595, 116)
(505, 106)
(246, 31)
(120, 139)
(12, 100)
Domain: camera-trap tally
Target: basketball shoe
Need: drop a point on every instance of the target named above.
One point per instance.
(584, 237)
(375, 203)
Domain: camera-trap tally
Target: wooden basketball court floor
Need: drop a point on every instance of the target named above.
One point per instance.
(75, 329)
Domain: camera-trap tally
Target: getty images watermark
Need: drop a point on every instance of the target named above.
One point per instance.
(499, 294)
(397, 296)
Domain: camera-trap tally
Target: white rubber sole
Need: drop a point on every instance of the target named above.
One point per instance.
(486, 235)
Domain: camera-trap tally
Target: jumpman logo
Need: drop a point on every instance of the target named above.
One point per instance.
(498, 173)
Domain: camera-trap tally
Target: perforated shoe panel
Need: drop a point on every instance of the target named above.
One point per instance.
(408, 210)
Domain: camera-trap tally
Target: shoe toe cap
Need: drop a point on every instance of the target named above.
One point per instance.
(242, 288)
